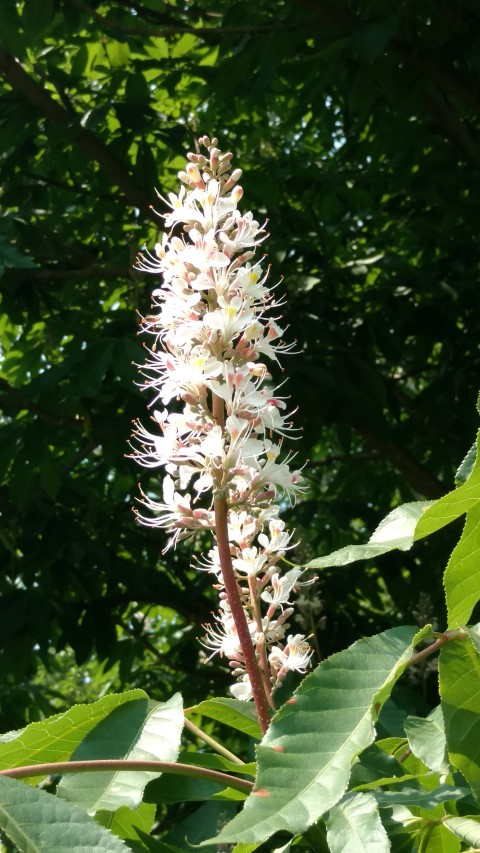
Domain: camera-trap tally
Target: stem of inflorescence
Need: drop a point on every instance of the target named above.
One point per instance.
(233, 593)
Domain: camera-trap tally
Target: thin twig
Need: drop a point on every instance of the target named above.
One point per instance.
(218, 747)
(121, 764)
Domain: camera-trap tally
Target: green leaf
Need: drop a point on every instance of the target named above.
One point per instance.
(118, 53)
(37, 16)
(467, 828)
(395, 531)
(426, 738)
(354, 824)
(231, 712)
(474, 634)
(462, 575)
(56, 738)
(177, 789)
(331, 720)
(419, 797)
(35, 820)
(126, 823)
(439, 839)
(453, 505)
(140, 730)
(467, 466)
(459, 669)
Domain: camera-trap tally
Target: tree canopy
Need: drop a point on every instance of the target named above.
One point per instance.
(356, 125)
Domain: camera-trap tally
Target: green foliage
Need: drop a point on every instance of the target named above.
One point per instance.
(34, 819)
(293, 793)
(356, 125)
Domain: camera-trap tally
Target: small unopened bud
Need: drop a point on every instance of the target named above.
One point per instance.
(184, 177)
(214, 153)
(234, 177)
(237, 193)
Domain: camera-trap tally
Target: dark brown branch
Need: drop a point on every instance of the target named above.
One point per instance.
(214, 32)
(347, 23)
(40, 98)
(19, 401)
(54, 274)
(416, 474)
(455, 130)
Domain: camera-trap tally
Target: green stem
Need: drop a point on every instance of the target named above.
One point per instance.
(114, 765)
(222, 750)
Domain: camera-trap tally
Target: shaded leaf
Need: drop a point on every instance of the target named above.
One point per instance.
(35, 820)
(231, 712)
(127, 823)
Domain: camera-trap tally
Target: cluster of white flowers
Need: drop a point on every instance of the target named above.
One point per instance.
(213, 329)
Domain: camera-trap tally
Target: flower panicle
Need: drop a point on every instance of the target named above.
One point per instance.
(214, 333)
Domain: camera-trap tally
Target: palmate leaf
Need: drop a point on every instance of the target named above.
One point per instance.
(459, 669)
(56, 738)
(305, 758)
(140, 730)
(35, 820)
(354, 824)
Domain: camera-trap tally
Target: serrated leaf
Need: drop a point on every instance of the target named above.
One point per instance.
(459, 669)
(354, 824)
(330, 720)
(231, 712)
(453, 505)
(395, 531)
(35, 820)
(462, 575)
(141, 730)
(467, 828)
(56, 738)
(467, 465)
(426, 738)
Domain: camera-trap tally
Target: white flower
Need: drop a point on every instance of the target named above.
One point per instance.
(214, 325)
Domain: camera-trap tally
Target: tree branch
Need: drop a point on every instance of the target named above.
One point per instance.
(416, 474)
(162, 29)
(41, 100)
(456, 131)
(55, 274)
